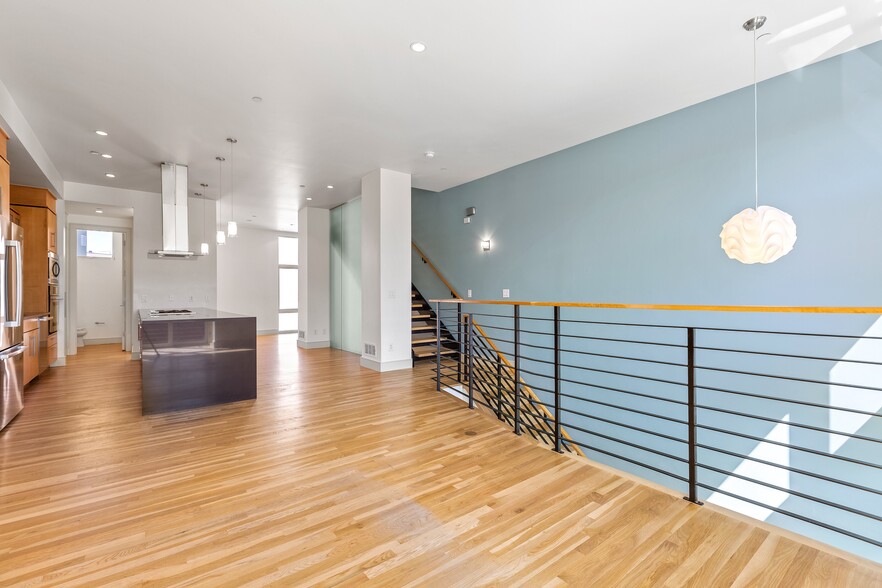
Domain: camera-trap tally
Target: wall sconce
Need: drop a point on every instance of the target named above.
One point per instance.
(485, 245)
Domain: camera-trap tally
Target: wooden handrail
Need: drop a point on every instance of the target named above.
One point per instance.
(435, 269)
(679, 307)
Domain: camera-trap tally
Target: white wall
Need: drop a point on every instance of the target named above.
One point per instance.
(157, 283)
(385, 269)
(100, 294)
(248, 276)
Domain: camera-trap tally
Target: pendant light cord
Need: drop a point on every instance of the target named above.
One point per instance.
(231, 181)
(220, 192)
(755, 123)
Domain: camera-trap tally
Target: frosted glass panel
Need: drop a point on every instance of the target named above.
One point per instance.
(288, 251)
(287, 288)
(337, 278)
(351, 277)
(287, 322)
(346, 277)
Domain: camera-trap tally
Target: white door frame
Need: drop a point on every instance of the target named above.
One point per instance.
(71, 283)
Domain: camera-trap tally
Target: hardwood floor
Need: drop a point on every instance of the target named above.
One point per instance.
(337, 475)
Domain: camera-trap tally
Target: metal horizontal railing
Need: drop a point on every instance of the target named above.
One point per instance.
(688, 405)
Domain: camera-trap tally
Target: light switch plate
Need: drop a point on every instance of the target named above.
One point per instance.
(505, 293)
(470, 293)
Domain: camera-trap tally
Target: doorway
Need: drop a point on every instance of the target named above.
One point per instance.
(98, 295)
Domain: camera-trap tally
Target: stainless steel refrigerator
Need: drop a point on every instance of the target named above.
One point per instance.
(11, 332)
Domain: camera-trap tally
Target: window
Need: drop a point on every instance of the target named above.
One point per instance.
(288, 278)
(94, 243)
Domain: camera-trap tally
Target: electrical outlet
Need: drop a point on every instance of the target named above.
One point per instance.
(505, 293)
(390, 347)
(171, 298)
(191, 299)
(470, 293)
(466, 220)
(144, 298)
(392, 294)
(324, 331)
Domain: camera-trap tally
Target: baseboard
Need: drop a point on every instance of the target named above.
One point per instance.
(312, 344)
(388, 366)
(268, 332)
(103, 341)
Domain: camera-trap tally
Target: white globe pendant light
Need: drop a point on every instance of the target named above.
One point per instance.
(762, 234)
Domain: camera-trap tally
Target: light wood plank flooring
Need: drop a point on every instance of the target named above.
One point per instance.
(338, 476)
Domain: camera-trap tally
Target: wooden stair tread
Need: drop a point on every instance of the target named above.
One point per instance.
(430, 351)
(423, 338)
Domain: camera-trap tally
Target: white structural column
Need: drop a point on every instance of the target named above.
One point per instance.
(314, 283)
(385, 271)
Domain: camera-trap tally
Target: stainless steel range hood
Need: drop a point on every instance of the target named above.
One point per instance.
(175, 236)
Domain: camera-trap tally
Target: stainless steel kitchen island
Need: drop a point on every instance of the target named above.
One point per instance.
(196, 357)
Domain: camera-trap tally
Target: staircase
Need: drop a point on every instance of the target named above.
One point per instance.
(423, 330)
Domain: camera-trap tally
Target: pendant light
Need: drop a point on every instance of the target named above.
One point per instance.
(221, 236)
(762, 234)
(232, 227)
(203, 248)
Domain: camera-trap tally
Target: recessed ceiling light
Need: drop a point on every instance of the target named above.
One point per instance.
(102, 133)
(94, 153)
(308, 198)
(99, 211)
(417, 47)
(110, 175)
(443, 169)
(302, 185)
(430, 154)
(256, 99)
(107, 156)
(330, 187)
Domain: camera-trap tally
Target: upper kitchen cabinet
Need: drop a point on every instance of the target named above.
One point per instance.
(4, 175)
(36, 209)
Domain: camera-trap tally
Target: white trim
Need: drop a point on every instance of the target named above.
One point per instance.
(312, 344)
(103, 341)
(389, 366)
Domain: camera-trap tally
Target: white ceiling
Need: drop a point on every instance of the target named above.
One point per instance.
(502, 82)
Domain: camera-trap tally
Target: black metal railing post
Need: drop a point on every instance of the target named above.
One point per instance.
(438, 346)
(557, 433)
(459, 342)
(499, 386)
(470, 331)
(690, 399)
(517, 369)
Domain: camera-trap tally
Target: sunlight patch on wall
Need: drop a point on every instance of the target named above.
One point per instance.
(860, 374)
(771, 475)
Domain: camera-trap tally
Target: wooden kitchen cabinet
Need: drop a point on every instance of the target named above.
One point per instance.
(32, 353)
(36, 209)
(53, 348)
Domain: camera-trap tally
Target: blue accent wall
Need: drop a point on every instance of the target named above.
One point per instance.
(635, 217)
